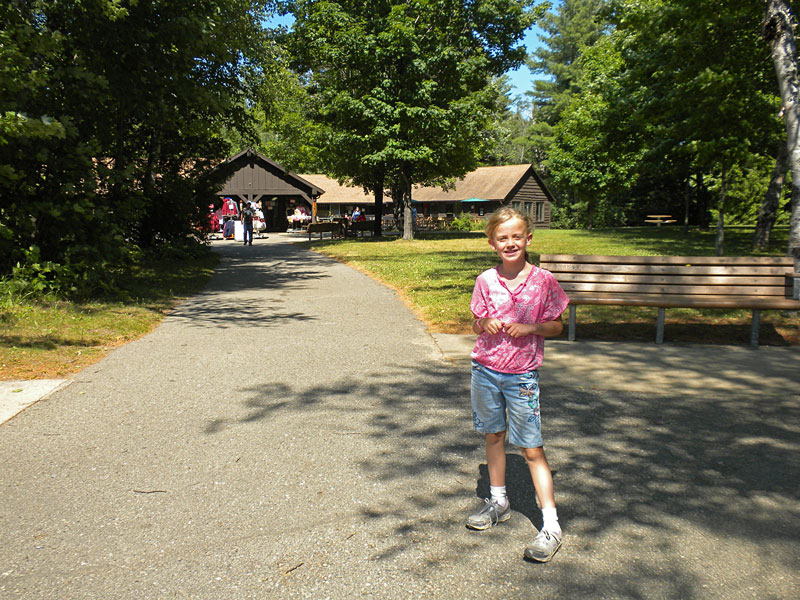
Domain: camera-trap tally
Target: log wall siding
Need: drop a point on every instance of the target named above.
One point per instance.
(531, 192)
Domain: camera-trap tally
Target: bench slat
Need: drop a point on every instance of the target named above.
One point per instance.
(678, 301)
(776, 280)
(664, 270)
(785, 261)
(684, 290)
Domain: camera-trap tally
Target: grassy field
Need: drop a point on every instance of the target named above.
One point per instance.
(435, 274)
(53, 339)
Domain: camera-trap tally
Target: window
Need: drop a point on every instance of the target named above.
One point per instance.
(539, 212)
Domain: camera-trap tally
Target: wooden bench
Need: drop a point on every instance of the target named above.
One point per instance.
(750, 282)
(335, 229)
(362, 226)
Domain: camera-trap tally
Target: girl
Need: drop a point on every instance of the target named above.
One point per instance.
(515, 306)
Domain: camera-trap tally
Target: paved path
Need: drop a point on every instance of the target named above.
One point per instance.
(294, 432)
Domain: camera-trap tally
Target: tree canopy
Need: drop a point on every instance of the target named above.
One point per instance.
(404, 89)
(115, 114)
(111, 114)
(673, 108)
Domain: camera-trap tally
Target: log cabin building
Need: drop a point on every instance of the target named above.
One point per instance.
(257, 178)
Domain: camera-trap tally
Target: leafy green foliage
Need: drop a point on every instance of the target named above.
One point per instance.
(672, 110)
(467, 222)
(403, 90)
(569, 31)
(111, 115)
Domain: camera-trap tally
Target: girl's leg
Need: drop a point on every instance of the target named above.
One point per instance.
(540, 474)
(495, 509)
(496, 458)
(548, 540)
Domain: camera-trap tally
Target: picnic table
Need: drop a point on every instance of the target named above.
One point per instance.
(659, 219)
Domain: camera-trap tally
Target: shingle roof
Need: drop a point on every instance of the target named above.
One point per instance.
(335, 193)
(487, 183)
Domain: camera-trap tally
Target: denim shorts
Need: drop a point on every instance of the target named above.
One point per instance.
(494, 394)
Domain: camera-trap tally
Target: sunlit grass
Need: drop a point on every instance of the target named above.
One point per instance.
(49, 338)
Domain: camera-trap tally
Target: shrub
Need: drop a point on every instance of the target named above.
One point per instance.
(467, 222)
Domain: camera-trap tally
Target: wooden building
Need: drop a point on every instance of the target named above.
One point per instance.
(486, 189)
(479, 192)
(257, 178)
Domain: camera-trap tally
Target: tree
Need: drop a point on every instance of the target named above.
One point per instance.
(691, 97)
(697, 75)
(588, 158)
(505, 139)
(779, 32)
(111, 113)
(404, 88)
(575, 26)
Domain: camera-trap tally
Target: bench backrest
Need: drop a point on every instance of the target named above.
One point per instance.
(362, 226)
(762, 276)
(320, 227)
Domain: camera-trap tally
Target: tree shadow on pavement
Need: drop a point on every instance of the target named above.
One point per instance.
(725, 465)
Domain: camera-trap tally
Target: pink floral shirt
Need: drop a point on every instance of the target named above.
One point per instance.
(537, 300)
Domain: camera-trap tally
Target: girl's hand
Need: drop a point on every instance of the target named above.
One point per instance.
(518, 330)
(544, 329)
(490, 325)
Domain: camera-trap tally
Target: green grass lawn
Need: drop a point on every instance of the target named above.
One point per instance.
(49, 338)
(435, 274)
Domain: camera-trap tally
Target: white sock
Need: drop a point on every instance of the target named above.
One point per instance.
(550, 520)
(499, 494)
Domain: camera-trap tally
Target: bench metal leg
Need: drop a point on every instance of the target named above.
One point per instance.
(662, 312)
(571, 330)
(754, 328)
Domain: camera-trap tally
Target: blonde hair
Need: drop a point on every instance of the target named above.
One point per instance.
(503, 214)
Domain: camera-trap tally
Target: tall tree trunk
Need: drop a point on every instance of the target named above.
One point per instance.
(408, 226)
(719, 240)
(590, 213)
(779, 32)
(687, 198)
(396, 190)
(378, 191)
(703, 214)
(769, 206)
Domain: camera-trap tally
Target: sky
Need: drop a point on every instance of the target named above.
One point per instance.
(520, 79)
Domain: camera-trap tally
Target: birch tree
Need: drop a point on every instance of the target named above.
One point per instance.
(779, 32)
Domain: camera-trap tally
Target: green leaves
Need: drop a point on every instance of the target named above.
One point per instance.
(112, 116)
(405, 88)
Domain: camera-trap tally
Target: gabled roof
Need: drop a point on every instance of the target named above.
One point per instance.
(292, 178)
(488, 183)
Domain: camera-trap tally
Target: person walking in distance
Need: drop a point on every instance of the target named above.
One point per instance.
(247, 224)
(515, 306)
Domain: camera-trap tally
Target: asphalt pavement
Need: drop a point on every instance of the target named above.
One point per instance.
(294, 431)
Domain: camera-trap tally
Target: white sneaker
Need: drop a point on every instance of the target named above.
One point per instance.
(490, 514)
(544, 546)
